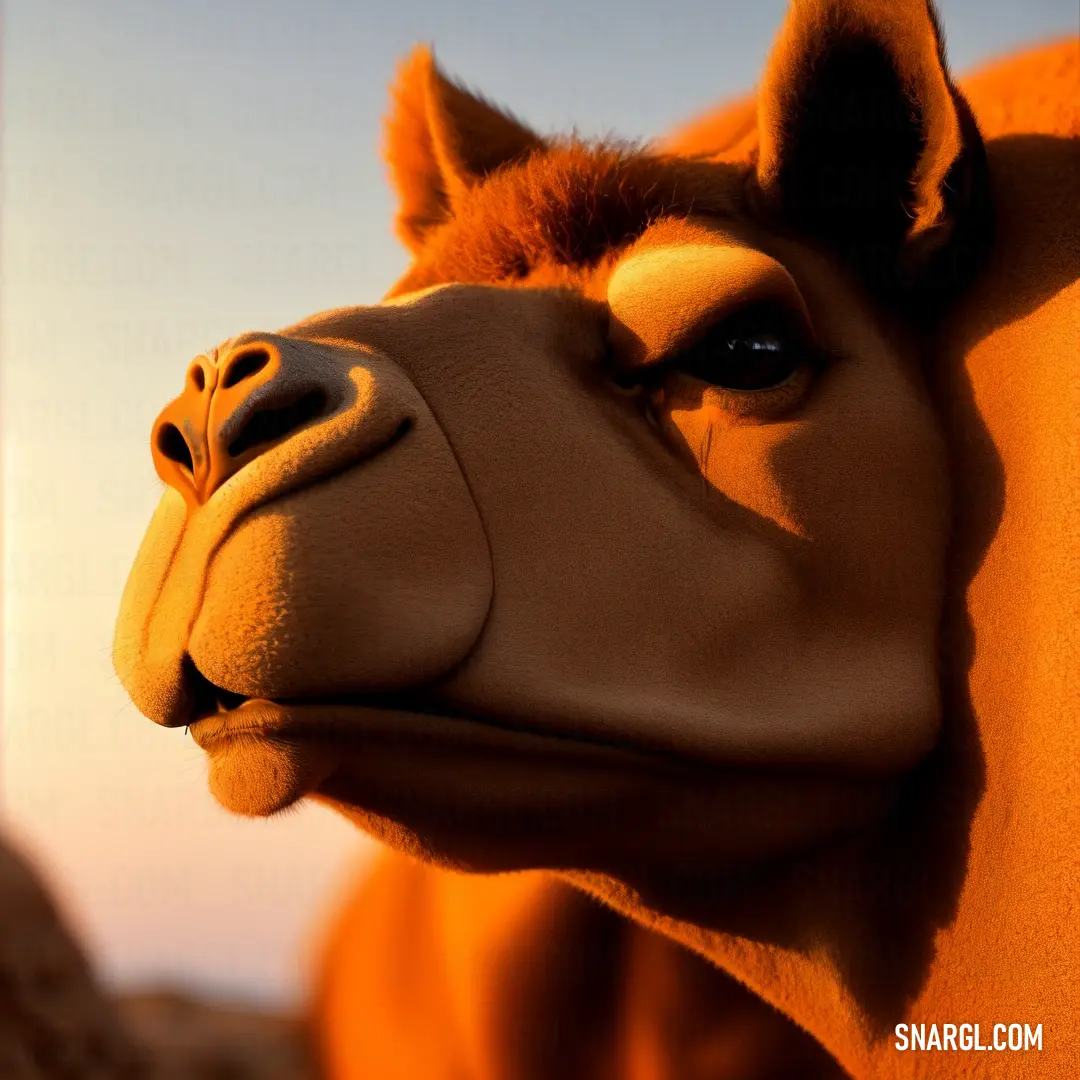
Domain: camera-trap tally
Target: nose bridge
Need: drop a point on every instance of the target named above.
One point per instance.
(237, 402)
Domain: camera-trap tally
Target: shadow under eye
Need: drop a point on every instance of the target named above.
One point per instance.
(685, 391)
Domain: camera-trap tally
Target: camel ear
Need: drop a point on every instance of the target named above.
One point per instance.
(440, 142)
(865, 144)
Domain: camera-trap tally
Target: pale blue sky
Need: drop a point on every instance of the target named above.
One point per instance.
(174, 173)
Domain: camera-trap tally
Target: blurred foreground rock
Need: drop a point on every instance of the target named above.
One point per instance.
(56, 1024)
(192, 1040)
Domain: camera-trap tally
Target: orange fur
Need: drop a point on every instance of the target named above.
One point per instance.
(571, 206)
(986, 836)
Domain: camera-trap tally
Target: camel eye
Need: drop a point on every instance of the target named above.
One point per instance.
(744, 353)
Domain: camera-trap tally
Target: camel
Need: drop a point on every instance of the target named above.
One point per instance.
(688, 530)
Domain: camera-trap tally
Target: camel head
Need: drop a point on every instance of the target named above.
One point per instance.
(614, 536)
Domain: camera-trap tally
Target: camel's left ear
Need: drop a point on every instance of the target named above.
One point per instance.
(441, 141)
(866, 145)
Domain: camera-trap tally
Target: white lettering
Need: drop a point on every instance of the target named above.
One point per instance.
(965, 1037)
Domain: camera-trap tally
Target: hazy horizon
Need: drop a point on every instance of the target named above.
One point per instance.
(172, 175)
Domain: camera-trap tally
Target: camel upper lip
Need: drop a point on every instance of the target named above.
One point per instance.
(214, 705)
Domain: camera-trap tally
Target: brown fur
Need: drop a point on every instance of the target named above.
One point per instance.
(571, 206)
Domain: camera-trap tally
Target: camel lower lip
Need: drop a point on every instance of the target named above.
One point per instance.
(265, 755)
(311, 717)
(256, 716)
(423, 767)
(333, 721)
(264, 716)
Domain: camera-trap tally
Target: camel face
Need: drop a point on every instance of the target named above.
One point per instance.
(486, 527)
(566, 538)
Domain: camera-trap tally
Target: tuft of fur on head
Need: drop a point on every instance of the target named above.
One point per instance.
(570, 204)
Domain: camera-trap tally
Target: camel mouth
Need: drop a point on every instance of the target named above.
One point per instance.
(253, 716)
(222, 717)
(484, 795)
(233, 716)
(238, 716)
(404, 755)
(216, 713)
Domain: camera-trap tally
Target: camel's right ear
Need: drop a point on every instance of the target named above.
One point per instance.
(867, 146)
(440, 142)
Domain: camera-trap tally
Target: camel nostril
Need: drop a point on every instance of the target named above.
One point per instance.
(244, 366)
(198, 377)
(172, 444)
(269, 425)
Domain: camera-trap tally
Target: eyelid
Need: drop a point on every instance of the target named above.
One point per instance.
(664, 299)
